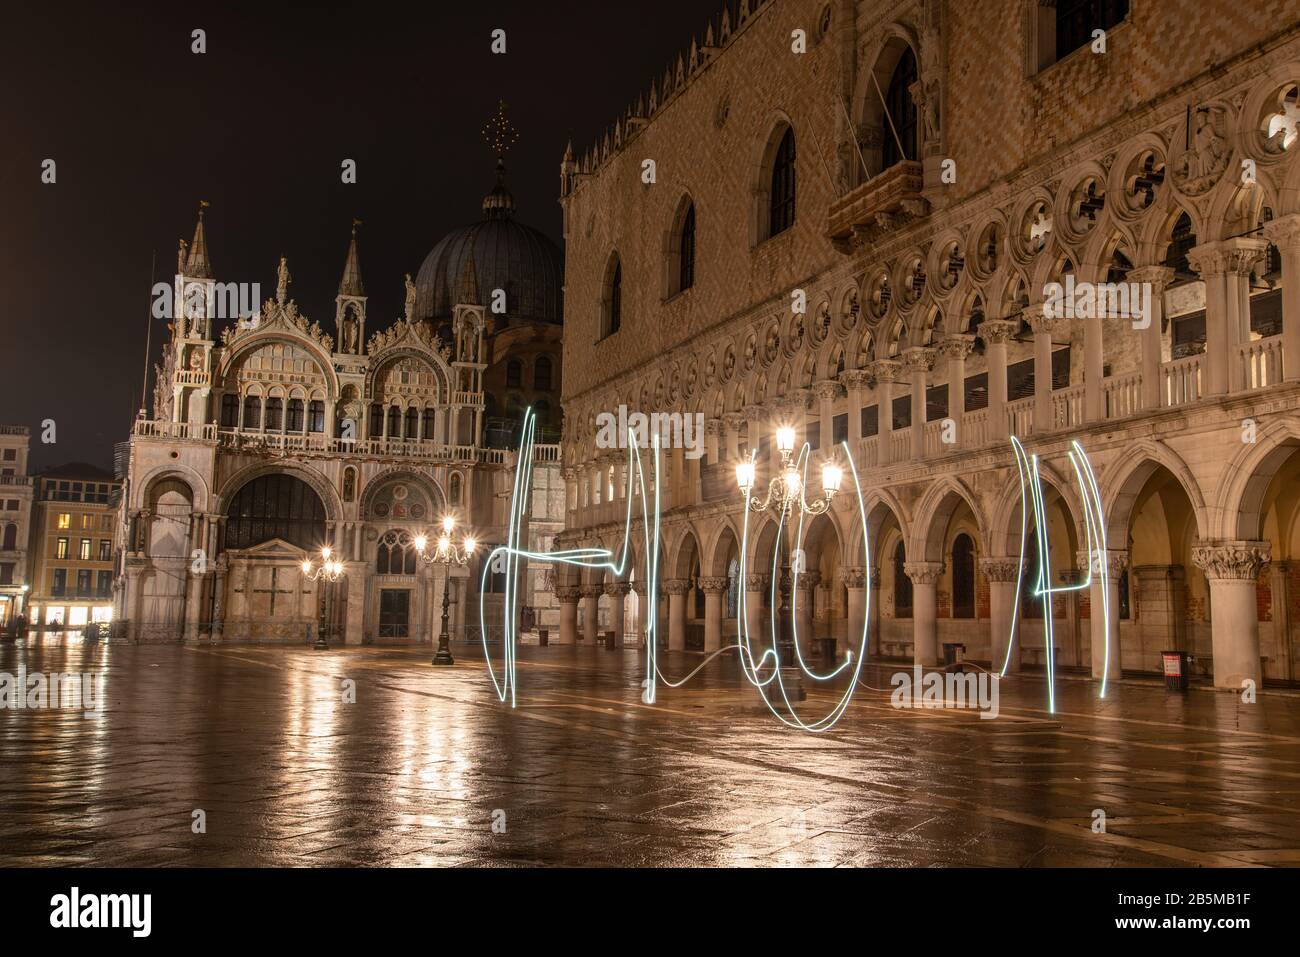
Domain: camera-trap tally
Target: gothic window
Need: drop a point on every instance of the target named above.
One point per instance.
(514, 374)
(316, 415)
(902, 110)
(963, 577)
(252, 412)
(395, 555)
(394, 422)
(349, 484)
(455, 488)
(542, 374)
(274, 409)
(430, 428)
(612, 301)
(376, 420)
(295, 423)
(686, 251)
(781, 200)
(902, 584)
(412, 423)
(230, 411)
(276, 506)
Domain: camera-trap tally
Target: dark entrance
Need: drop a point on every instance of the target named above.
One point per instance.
(394, 613)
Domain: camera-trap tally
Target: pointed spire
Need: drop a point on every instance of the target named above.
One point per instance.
(350, 284)
(197, 265)
(469, 280)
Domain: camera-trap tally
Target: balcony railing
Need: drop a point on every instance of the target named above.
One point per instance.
(1123, 395)
(1261, 362)
(1020, 416)
(1180, 380)
(1067, 406)
(872, 207)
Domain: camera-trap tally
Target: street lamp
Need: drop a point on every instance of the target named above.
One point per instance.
(785, 496)
(331, 570)
(445, 553)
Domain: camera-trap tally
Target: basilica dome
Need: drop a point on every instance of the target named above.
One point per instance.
(497, 252)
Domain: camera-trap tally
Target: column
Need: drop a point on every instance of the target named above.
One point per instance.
(568, 598)
(955, 349)
(755, 621)
(919, 362)
(855, 381)
(996, 333)
(1224, 266)
(886, 373)
(1001, 574)
(925, 624)
(1284, 233)
(1044, 417)
(854, 580)
(713, 429)
(591, 611)
(1153, 339)
(756, 420)
(733, 421)
(827, 392)
(1104, 619)
(617, 592)
(1070, 577)
(1280, 589)
(1232, 568)
(808, 582)
(355, 624)
(873, 614)
(714, 589)
(194, 584)
(675, 589)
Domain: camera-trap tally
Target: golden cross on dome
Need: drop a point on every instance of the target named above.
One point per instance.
(498, 133)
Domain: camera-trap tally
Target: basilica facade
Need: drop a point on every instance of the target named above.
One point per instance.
(857, 218)
(272, 437)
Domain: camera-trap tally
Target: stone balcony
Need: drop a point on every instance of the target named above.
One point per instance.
(877, 206)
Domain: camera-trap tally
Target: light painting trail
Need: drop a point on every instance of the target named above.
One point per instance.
(760, 662)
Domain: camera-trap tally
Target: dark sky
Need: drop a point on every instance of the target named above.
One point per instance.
(141, 129)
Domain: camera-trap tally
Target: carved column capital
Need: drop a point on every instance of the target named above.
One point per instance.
(617, 589)
(886, 370)
(997, 569)
(919, 359)
(853, 577)
(1159, 277)
(713, 426)
(1284, 233)
(959, 345)
(755, 582)
(828, 390)
(676, 586)
(1115, 561)
(923, 573)
(733, 421)
(568, 594)
(713, 586)
(995, 331)
(855, 378)
(591, 591)
(1232, 561)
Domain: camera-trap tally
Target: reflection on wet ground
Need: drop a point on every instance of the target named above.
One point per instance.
(427, 768)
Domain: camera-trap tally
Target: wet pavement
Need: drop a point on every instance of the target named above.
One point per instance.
(425, 767)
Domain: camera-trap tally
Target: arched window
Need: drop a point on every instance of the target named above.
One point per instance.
(1031, 605)
(296, 420)
(394, 422)
(542, 374)
(230, 411)
(395, 555)
(612, 302)
(349, 484)
(455, 491)
(686, 251)
(412, 423)
(274, 409)
(898, 101)
(430, 425)
(252, 412)
(963, 577)
(514, 374)
(376, 420)
(781, 200)
(276, 506)
(542, 410)
(902, 584)
(316, 416)
(11, 537)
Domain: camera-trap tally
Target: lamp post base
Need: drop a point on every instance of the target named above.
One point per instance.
(443, 655)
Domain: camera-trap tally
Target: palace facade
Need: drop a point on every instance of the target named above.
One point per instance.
(848, 217)
(271, 437)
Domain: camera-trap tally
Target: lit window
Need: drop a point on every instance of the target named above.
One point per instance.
(84, 551)
(65, 520)
(61, 548)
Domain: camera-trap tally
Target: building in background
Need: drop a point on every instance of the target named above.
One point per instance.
(15, 519)
(271, 437)
(73, 547)
(859, 238)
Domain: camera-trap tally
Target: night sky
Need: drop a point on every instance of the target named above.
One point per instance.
(141, 129)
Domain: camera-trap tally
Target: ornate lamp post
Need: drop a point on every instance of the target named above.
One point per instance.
(785, 496)
(445, 553)
(331, 570)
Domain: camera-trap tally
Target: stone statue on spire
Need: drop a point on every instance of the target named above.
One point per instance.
(410, 299)
(282, 281)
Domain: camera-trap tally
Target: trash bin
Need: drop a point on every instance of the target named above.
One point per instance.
(1178, 668)
(954, 653)
(543, 637)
